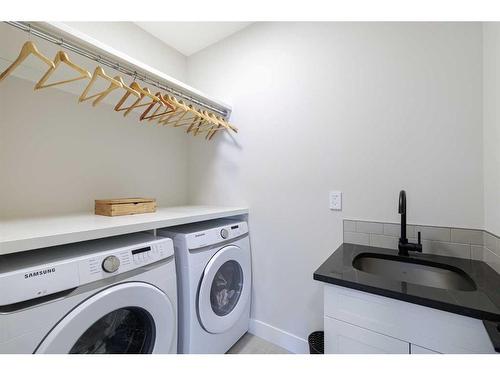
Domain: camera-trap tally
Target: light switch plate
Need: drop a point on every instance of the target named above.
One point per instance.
(336, 200)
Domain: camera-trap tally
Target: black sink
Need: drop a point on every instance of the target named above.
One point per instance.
(421, 272)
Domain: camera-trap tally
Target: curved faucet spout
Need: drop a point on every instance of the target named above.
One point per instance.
(404, 246)
(402, 202)
(402, 211)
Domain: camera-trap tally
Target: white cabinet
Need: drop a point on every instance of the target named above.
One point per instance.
(415, 349)
(345, 338)
(360, 322)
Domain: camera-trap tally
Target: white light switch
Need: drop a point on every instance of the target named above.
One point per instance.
(335, 200)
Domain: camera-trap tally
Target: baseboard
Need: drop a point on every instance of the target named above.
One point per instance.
(279, 337)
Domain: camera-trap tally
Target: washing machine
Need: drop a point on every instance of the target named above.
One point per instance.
(214, 284)
(113, 295)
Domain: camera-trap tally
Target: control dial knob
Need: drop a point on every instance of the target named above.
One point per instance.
(224, 233)
(110, 264)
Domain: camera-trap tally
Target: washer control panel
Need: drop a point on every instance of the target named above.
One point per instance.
(107, 264)
(68, 266)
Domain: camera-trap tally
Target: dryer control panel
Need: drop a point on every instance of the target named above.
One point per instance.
(25, 276)
(216, 235)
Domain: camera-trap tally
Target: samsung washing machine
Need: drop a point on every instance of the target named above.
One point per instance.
(114, 295)
(214, 284)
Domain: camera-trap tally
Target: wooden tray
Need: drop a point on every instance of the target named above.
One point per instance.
(124, 206)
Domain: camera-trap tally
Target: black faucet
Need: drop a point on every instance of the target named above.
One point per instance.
(404, 246)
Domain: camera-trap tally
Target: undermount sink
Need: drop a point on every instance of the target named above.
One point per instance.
(414, 271)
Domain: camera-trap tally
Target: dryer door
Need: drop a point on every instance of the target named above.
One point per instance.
(132, 317)
(224, 289)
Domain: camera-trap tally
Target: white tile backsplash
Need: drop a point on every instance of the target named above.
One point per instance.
(492, 259)
(349, 226)
(455, 242)
(448, 249)
(394, 230)
(477, 252)
(368, 227)
(357, 238)
(379, 240)
(492, 243)
(472, 236)
(434, 233)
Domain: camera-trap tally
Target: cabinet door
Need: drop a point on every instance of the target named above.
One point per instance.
(344, 338)
(415, 349)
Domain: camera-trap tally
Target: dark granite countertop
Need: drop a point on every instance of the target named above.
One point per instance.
(482, 303)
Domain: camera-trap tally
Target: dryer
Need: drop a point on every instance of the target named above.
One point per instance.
(113, 295)
(214, 284)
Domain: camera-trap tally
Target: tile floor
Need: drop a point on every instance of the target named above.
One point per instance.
(250, 344)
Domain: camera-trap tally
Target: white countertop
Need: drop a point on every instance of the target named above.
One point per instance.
(33, 233)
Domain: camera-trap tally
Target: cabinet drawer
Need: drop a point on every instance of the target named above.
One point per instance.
(430, 328)
(415, 349)
(345, 338)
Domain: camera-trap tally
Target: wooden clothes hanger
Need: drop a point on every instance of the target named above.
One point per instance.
(144, 92)
(221, 125)
(174, 118)
(225, 123)
(195, 125)
(162, 103)
(61, 57)
(210, 135)
(213, 128)
(113, 85)
(208, 121)
(180, 111)
(28, 48)
(210, 131)
(189, 109)
(133, 89)
(221, 121)
(215, 122)
(175, 110)
(129, 90)
(202, 122)
(190, 120)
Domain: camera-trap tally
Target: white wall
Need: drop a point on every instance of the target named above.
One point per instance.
(58, 156)
(368, 109)
(491, 98)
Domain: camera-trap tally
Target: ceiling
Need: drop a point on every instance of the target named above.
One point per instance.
(191, 37)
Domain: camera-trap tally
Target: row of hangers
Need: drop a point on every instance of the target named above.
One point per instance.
(166, 109)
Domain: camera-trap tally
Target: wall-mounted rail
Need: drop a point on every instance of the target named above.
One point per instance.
(82, 44)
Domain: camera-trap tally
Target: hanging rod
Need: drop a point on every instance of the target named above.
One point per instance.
(123, 68)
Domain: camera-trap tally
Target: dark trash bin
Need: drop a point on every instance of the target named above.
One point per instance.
(317, 342)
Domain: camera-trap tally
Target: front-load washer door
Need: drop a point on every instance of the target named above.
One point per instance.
(128, 318)
(224, 289)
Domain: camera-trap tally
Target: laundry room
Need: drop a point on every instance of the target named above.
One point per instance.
(239, 184)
